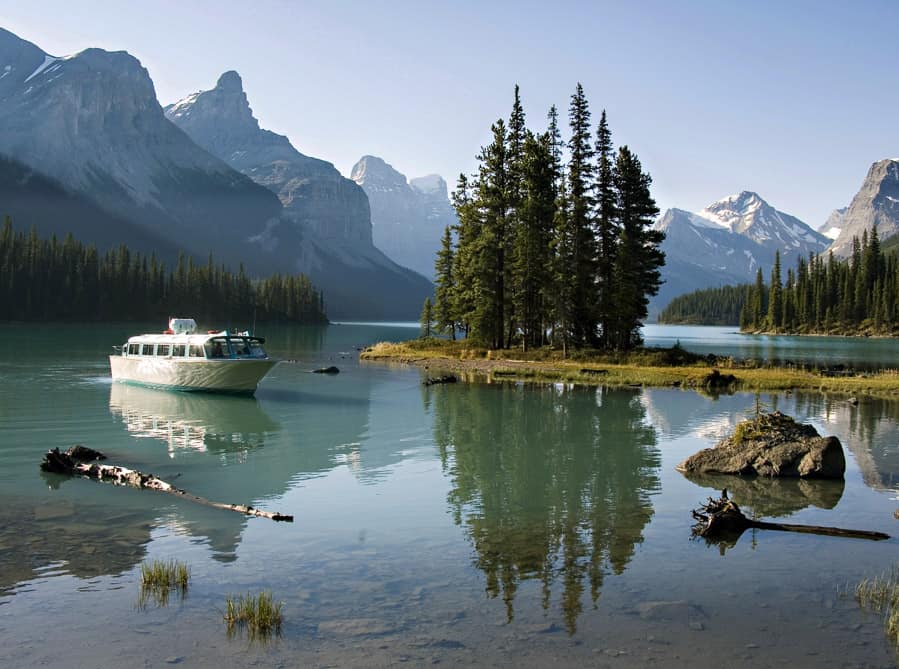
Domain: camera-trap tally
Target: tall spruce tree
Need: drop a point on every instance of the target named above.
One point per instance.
(533, 237)
(445, 287)
(607, 231)
(581, 202)
(775, 296)
(638, 259)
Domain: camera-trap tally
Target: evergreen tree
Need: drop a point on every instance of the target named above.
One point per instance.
(444, 311)
(775, 297)
(581, 202)
(533, 238)
(638, 258)
(427, 318)
(607, 232)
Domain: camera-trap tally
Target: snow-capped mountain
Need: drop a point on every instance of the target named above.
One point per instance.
(727, 242)
(408, 217)
(750, 216)
(876, 203)
(329, 212)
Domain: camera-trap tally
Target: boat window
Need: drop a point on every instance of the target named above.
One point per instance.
(256, 349)
(216, 348)
(196, 351)
(146, 349)
(178, 350)
(239, 347)
(133, 349)
(163, 349)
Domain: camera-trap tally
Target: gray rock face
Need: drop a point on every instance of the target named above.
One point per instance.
(325, 230)
(834, 223)
(313, 192)
(408, 218)
(876, 203)
(727, 242)
(92, 124)
(771, 445)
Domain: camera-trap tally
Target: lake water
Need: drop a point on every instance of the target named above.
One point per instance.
(490, 524)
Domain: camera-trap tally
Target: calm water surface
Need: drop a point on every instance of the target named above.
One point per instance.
(463, 524)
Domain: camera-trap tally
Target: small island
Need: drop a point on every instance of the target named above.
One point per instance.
(646, 367)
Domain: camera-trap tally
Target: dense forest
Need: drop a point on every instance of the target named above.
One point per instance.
(707, 306)
(859, 295)
(49, 280)
(822, 295)
(554, 242)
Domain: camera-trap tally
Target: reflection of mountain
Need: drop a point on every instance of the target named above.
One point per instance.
(191, 420)
(870, 430)
(549, 483)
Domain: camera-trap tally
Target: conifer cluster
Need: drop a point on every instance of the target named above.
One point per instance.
(859, 295)
(554, 243)
(721, 305)
(49, 280)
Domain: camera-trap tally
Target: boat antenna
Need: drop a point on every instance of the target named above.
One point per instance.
(253, 331)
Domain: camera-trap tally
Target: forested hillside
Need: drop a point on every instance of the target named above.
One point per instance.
(709, 306)
(49, 280)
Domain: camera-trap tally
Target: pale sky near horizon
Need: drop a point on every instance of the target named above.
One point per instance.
(791, 99)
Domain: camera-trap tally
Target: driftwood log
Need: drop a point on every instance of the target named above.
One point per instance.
(81, 461)
(722, 519)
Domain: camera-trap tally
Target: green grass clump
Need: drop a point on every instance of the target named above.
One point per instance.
(260, 615)
(159, 577)
(881, 595)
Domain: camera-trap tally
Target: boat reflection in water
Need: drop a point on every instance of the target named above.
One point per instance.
(194, 421)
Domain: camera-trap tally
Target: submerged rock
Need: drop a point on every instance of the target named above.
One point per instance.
(771, 445)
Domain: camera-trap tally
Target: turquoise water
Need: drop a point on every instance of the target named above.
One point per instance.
(492, 524)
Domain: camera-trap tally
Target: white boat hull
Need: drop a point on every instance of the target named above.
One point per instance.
(200, 374)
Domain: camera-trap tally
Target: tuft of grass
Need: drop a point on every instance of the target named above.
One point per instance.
(881, 595)
(259, 614)
(158, 578)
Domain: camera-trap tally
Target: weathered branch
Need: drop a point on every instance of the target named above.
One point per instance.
(722, 519)
(80, 461)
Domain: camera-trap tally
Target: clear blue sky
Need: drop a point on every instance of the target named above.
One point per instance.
(792, 99)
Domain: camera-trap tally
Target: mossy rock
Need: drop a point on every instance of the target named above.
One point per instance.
(771, 444)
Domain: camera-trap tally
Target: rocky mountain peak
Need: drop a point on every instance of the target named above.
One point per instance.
(432, 185)
(374, 173)
(226, 107)
(230, 82)
(876, 203)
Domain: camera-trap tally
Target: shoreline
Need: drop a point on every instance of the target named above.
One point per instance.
(722, 375)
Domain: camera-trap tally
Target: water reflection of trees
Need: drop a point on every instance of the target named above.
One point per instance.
(549, 482)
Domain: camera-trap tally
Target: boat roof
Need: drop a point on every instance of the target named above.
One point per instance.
(163, 337)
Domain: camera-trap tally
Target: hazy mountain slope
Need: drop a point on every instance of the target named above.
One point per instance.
(326, 228)
(408, 218)
(92, 123)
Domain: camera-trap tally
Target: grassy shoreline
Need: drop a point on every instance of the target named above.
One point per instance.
(660, 368)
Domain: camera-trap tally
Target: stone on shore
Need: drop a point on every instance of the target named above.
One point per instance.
(771, 444)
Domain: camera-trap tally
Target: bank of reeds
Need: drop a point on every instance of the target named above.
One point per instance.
(651, 367)
(158, 578)
(258, 614)
(881, 595)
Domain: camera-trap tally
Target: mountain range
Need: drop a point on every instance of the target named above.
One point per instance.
(727, 242)
(86, 148)
(408, 217)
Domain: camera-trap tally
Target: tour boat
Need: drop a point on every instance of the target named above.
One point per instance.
(182, 359)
